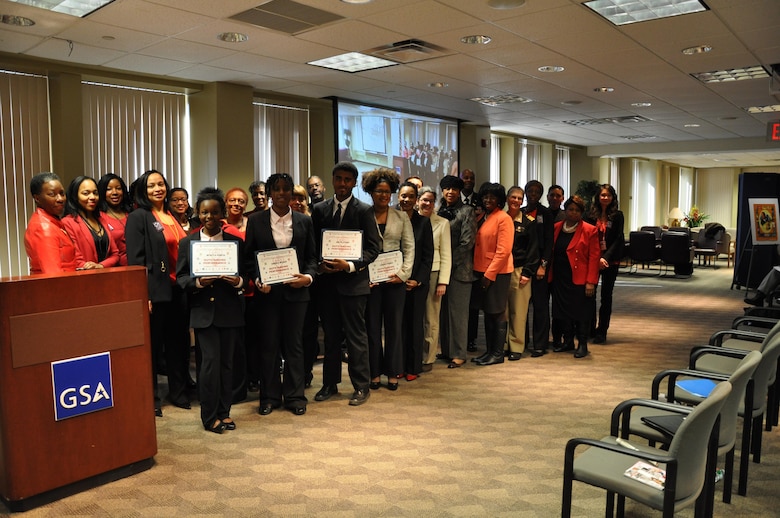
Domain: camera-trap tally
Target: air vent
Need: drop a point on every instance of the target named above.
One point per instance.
(587, 122)
(608, 120)
(627, 119)
(408, 51)
(286, 16)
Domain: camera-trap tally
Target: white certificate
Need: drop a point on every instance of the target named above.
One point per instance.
(385, 266)
(277, 266)
(213, 258)
(342, 244)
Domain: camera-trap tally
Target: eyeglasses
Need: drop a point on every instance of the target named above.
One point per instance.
(240, 201)
(178, 200)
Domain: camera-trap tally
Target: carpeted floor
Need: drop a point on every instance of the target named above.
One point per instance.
(475, 441)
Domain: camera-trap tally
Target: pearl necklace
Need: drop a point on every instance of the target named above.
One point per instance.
(569, 229)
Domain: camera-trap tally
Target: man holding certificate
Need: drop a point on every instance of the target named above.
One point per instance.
(282, 254)
(348, 240)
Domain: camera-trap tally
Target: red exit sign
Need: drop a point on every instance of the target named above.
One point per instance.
(773, 131)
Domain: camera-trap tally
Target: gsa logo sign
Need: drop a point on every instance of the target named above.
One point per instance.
(82, 385)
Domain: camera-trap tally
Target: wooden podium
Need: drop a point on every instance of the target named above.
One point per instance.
(45, 319)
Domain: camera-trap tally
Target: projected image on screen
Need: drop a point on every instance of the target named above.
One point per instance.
(411, 144)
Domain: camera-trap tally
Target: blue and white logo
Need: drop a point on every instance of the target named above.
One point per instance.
(82, 385)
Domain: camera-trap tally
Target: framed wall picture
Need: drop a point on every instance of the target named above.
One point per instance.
(763, 221)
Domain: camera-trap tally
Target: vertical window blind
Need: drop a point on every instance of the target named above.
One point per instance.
(281, 141)
(24, 137)
(130, 130)
(562, 167)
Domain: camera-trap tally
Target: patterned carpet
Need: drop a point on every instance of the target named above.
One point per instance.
(475, 441)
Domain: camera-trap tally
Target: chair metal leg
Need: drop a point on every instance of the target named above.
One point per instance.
(609, 510)
(568, 478)
(744, 455)
(728, 476)
(755, 442)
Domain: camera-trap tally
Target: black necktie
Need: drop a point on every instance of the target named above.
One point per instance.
(337, 217)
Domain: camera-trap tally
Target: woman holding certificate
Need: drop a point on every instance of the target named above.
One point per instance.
(387, 277)
(282, 254)
(153, 236)
(215, 293)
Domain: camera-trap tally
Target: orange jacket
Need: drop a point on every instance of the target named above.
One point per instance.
(49, 247)
(493, 247)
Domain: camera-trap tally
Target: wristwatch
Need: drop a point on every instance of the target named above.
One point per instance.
(544, 263)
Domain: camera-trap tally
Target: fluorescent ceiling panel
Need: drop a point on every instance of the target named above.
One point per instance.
(622, 12)
(78, 8)
(352, 62)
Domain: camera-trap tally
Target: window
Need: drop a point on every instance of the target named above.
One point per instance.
(24, 137)
(130, 130)
(614, 175)
(528, 166)
(643, 207)
(685, 195)
(281, 141)
(495, 159)
(562, 167)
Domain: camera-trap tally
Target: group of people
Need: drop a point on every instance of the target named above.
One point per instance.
(446, 264)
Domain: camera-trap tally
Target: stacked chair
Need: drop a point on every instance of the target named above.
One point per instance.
(742, 366)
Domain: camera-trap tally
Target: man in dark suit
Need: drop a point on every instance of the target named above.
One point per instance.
(343, 286)
(540, 298)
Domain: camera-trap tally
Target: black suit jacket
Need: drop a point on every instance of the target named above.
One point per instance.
(423, 248)
(219, 304)
(259, 238)
(357, 216)
(146, 247)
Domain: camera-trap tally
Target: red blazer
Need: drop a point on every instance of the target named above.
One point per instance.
(117, 230)
(49, 247)
(583, 252)
(85, 244)
(493, 247)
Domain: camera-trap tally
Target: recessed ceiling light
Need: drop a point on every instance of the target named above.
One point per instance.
(622, 12)
(641, 105)
(19, 21)
(233, 37)
(638, 137)
(477, 39)
(505, 4)
(692, 125)
(734, 74)
(571, 103)
(353, 62)
(727, 118)
(764, 109)
(80, 8)
(108, 38)
(604, 89)
(495, 100)
(551, 68)
(438, 84)
(357, 1)
(698, 49)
